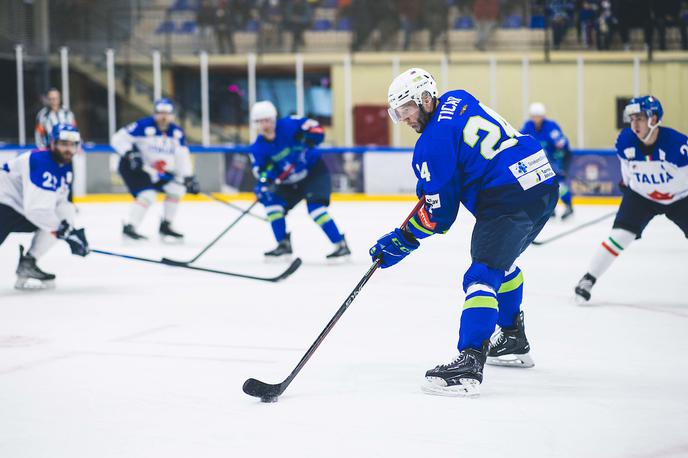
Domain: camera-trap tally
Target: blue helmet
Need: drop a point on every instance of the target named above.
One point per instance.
(646, 104)
(65, 132)
(163, 105)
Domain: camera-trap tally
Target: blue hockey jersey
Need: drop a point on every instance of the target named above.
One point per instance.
(465, 150)
(660, 176)
(293, 146)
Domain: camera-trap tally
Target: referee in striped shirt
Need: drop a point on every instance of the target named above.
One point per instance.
(53, 114)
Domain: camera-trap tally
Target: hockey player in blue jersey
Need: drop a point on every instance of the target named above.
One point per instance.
(155, 158)
(654, 171)
(33, 198)
(468, 154)
(287, 147)
(556, 145)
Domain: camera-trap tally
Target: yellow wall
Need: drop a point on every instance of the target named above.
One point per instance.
(605, 77)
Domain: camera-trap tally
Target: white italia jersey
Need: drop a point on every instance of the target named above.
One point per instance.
(660, 175)
(37, 187)
(162, 152)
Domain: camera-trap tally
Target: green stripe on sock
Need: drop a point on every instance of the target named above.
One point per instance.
(275, 216)
(415, 224)
(512, 284)
(322, 219)
(615, 244)
(486, 302)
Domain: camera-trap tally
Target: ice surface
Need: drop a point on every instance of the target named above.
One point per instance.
(127, 359)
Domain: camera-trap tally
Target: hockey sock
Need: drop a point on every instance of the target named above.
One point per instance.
(479, 316)
(610, 249)
(140, 206)
(277, 221)
(170, 206)
(565, 194)
(509, 297)
(320, 215)
(41, 243)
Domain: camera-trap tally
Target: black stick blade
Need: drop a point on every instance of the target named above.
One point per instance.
(265, 391)
(293, 267)
(172, 262)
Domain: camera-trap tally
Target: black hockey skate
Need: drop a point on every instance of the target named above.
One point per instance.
(283, 250)
(567, 213)
(168, 234)
(129, 233)
(461, 377)
(583, 288)
(29, 276)
(341, 250)
(510, 347)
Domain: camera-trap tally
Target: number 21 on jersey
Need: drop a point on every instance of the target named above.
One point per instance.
(488, 144)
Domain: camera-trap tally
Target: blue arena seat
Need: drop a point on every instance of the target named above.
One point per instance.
(252, 25)
(165, 27)
(321, 25)
(513, 21)
(187, 27)
(343, 24)
(463, 23)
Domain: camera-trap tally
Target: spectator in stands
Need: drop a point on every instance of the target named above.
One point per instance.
(410, 16)
(54, 113)
(633, 13)
(486, 14)
(205, 18)
(367, 16)
(298, 18)
(587, 15)
(437, 20)
(668, 13)
(606, 23)
(560, 13)
(270, 16)
(225, 24)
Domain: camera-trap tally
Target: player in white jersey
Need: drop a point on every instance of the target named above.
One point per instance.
(155, 158)
(654, 169)
(33, 198)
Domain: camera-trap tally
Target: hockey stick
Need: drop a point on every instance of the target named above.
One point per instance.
(168, 262)
(282, 176)
(269, 392)
(572, 230)
(214, 241)
(231, 205)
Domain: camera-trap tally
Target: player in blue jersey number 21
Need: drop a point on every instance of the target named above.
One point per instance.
(468, 154)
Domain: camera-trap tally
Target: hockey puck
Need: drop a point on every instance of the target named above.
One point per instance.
(268, 399)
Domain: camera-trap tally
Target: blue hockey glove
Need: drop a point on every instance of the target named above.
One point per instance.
(76, 238)
(393, 247)
(264, 192)
(134, 160)
(192, 185)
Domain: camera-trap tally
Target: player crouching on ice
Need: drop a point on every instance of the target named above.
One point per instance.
(155, 158)
(287, 147)
(468, 154)
(654, 170)
(34, 190)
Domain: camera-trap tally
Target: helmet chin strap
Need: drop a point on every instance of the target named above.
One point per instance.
(424, 116)
(652, 128)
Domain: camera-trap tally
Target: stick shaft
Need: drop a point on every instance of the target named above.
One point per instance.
(573, 229)
(357, 289)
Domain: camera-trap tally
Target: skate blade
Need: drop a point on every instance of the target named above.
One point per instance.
(284, 259)
(468, 388)
(520, 361)
(580, 300)
(32, 284)
(168, 240)
(346, 259)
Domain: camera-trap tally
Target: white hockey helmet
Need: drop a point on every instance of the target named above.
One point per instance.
(409, 86)
(263, 110)
(537, 109)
